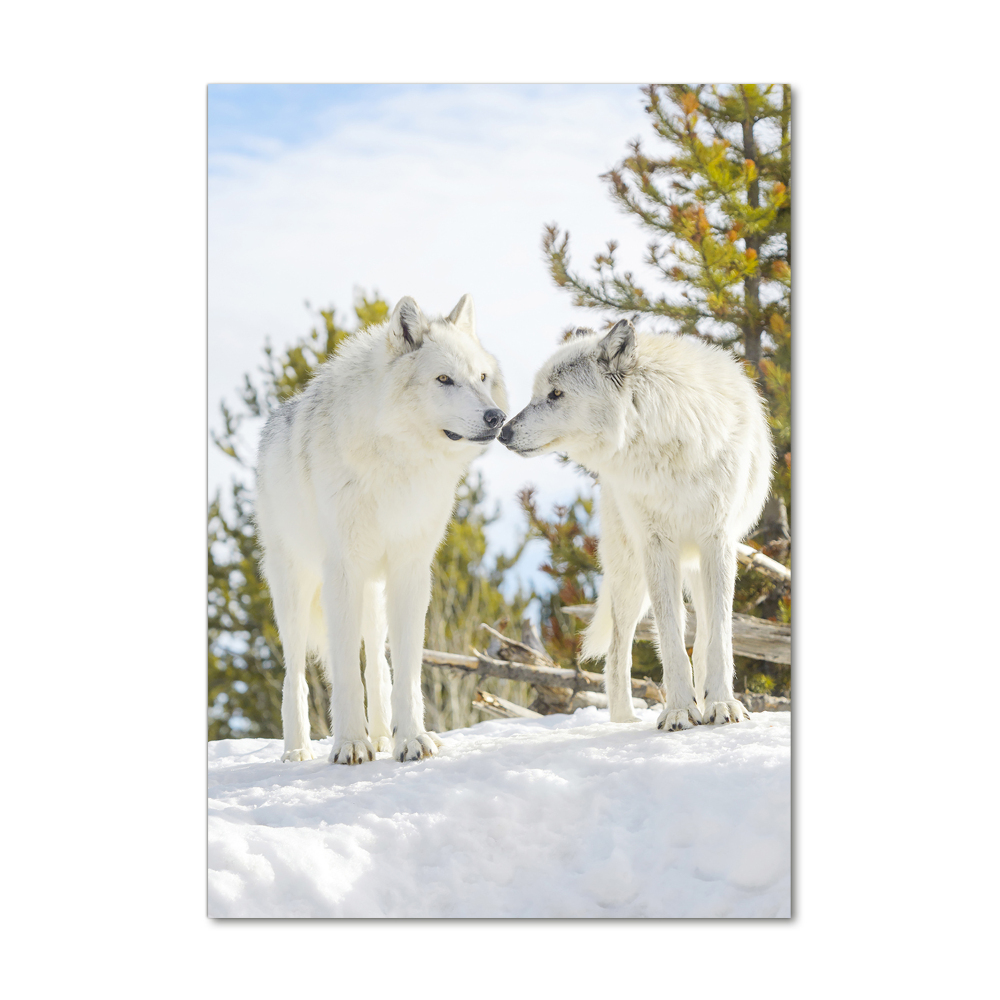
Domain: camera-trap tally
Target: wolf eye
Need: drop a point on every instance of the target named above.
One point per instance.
(482, 378)
(444, 380)
(555, 393)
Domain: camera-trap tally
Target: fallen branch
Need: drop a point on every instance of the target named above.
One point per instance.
(753, 637)
(501, 708)
(511, 649)
(763, 564)
(578, 680)
(764, 702)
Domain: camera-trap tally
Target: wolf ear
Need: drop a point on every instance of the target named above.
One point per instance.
(617, 351)
(464, 315)
(407, 326)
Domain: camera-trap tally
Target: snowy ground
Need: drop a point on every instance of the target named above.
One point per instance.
(565, 816)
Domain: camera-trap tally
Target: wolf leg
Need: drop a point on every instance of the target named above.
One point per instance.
(625, 589)
(291, 613)
(377, 682)
(718, 580)
(408, 591)
(699, 658)
(663, 575)
(342, 600)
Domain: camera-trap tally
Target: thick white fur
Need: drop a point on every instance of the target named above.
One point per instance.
(679, 439)
(356, 482)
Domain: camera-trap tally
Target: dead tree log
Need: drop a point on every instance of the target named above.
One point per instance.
(511, 649)
(750, 557)
(577, 680)
(753, 637)
(501, 708)
(764, 702)
(562, 680)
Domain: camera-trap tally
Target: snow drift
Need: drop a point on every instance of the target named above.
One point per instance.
(564, 816)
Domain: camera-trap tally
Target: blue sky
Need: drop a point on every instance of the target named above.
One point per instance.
(317, 191)
(250, 118)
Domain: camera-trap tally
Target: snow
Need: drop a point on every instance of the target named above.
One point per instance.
(563, 816)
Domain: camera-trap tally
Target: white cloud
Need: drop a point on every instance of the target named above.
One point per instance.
(431, 193)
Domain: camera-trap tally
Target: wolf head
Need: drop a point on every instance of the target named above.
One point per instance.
(579, 398)
(455, 390)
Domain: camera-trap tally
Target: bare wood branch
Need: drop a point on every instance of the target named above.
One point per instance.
(753, 637)
(501, 708)
(509, 647)
(763, 564)
(435, 658)
(764, 702)
(578, 680)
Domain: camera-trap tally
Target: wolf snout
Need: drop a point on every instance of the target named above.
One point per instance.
(493, 418)
(507, 433)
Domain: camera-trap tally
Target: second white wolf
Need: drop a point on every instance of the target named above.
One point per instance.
(679, 439)
(356, 482)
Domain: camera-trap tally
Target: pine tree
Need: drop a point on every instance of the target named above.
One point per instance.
(718, 204)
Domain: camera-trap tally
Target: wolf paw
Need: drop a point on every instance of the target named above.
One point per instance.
(724, 711)
(353, 752)
(383, 744)
(673, 719)
(303, 753)
(416, 747)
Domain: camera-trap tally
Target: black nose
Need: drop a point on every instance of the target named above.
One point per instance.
(494, 418)
(507, 433)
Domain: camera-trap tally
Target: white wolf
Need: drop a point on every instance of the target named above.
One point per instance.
(356, 481)
(679, 439)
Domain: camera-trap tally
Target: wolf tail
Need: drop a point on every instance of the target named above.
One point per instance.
(597, 637)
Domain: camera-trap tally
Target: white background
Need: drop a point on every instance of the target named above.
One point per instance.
(104, 326)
